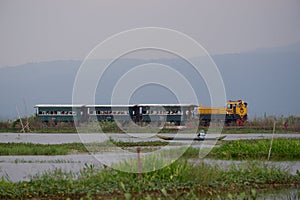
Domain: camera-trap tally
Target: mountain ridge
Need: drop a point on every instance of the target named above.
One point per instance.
(268, 81)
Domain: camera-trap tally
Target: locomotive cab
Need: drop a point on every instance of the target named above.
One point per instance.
(237, 111)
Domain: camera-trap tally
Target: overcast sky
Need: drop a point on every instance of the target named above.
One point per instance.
(34, 31)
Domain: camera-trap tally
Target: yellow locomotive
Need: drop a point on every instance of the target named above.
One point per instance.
(235, 111)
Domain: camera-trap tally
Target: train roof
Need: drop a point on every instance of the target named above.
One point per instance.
(106, 105)
(170, 105)
(59, 105)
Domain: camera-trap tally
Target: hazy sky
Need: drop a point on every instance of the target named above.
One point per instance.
(34, 31)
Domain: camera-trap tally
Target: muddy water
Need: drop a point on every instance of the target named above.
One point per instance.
(18, 168)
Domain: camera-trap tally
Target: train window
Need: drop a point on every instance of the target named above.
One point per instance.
(58, 112)
(245, 104)
(141, 110)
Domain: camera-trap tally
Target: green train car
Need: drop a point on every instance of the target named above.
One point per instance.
(174, 113)
(60, 112)
(110, 112)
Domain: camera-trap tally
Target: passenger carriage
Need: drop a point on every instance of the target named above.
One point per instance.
(174, 113)
(59, 112)
(110, 112)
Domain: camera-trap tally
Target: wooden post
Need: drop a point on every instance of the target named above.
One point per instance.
(269, 155)
(139, 162)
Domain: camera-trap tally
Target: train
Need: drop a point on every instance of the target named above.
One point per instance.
(178, 114)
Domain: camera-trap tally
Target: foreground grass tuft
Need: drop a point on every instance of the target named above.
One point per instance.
(180, 180)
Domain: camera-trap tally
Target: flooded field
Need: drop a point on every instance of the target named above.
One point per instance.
(23, 168)
(16, 168)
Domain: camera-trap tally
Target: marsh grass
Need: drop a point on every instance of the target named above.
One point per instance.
(135, 144)
(283, 149)
(31, 149)
(179, 180)
(40, 149)
(71, 148)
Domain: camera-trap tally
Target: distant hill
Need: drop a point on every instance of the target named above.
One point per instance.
(267, 78)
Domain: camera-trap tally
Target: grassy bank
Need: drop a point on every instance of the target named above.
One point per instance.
(282, 149)
(180, 180)
(40, 149)
(68, 148)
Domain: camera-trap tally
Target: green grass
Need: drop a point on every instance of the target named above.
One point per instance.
(39, 149)
(180, 180)
(250, 130)
(282, 149)
(68, 148)
(134, 144)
